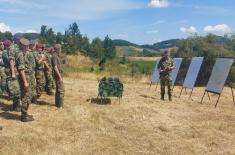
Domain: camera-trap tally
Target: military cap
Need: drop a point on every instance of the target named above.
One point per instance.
(24, 42)
(7, 43)
(57, 46)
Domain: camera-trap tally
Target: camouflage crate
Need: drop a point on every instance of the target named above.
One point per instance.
(110, 87)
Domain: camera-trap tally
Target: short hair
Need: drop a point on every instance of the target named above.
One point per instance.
(166, 51)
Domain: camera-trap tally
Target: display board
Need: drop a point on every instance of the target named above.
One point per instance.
(177, 62)
(192, 73)
(155, 77)
(219, 75)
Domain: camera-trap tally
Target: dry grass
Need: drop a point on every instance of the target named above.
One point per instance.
(141, 124)
(146, 59)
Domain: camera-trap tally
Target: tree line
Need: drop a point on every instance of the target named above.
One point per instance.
(72, 41)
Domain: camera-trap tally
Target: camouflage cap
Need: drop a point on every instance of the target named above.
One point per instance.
(57, 46)
(24, 42)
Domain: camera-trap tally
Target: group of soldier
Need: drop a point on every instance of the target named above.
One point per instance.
(27, 69)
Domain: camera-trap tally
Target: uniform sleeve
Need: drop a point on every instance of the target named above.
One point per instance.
(54, 61)
(20, 61)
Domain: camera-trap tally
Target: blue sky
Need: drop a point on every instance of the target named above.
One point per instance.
(139, 21)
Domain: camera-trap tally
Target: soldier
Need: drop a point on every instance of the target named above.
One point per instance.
(48, 71)
(26, 91)
(165, 67)
(10, 57)
(3, 76)
(58, 71)
(32, 47)
(40, 84)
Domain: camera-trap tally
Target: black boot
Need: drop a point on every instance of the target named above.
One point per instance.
(26, 118)
(170, 97)
(162, 97)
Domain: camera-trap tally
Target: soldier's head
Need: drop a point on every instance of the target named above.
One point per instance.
(24, 44)
(1, 46)
(7, 43)
(39, 47)
(167, 54)
(57, 49)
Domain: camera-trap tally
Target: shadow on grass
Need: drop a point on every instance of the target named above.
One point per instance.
(99, 101)
(9, 116)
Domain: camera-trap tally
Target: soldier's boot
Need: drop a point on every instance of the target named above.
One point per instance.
(34, 100)
(16, 105)
(26, 118)
(163, 97)
(170, 97)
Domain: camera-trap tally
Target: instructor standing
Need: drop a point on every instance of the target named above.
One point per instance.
(58, 71)
(165, 67)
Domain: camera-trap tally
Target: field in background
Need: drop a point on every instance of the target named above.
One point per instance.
(141, 125)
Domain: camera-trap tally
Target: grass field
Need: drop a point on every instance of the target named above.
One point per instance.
(140, 125)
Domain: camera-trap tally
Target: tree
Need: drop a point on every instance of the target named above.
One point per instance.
(109, 48)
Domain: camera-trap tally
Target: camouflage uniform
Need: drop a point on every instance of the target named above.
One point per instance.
(27, 93)
(3, 76)
(40, 78)
(48, 74)
(13, 87)
(32, 76)
(165, 76)
(59, 96)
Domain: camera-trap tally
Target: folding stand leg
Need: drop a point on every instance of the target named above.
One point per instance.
(217, 101)
(185, 91)
(190, 96)
(181, 92)
(233, 96)
(209, 96)
(157, 85)
(203, 97)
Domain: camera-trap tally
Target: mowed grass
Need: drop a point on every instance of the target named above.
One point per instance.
(140, 125)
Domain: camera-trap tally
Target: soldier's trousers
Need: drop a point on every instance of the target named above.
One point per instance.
(166, 82)
(13, 90)
(25, 96)
(49, 81)
(40, 84)
(59, 95)
(33, 85)
(3, 79)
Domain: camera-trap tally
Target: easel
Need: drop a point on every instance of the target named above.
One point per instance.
(152, 84)
(190, 95)
(217, 101)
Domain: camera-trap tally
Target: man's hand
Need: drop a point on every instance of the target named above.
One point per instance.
(26, 84)
(61, 80)
(13, 76)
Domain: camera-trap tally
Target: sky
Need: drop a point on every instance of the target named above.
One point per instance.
(138, 21)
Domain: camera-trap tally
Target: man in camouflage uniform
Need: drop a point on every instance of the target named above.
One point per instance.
(26, 92)
(48, 71)
(40, 79)
(3, 76)
(58, 71)
(165, 67)
(14, 66)
(33, 52)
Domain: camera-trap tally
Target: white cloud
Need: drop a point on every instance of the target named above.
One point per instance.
(158, 3)
(123, 36)
(190, 29)
(222, 28)
(4, 27)
(152, 31)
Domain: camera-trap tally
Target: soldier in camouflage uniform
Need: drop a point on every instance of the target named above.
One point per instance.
(165, 67)
(26, 92)
(40, 78)
(48, 71)
(33, 52)
(58, 71)
(13, 66)
(3, 76)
